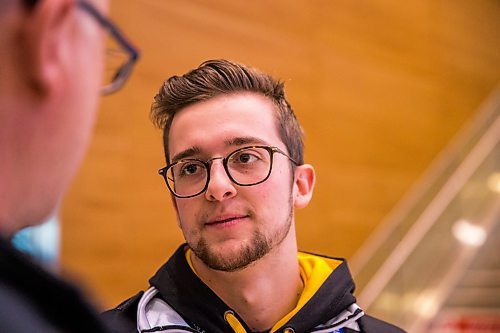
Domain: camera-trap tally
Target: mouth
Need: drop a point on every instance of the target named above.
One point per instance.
(226, 221)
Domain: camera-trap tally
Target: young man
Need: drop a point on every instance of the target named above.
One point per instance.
(236, 172)
(51, 64)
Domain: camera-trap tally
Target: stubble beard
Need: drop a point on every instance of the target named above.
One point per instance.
(248, 253)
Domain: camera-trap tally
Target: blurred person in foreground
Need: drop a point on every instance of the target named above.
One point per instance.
(236, 173)
(52, 63)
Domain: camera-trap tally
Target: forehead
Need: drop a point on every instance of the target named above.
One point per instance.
(210, 124)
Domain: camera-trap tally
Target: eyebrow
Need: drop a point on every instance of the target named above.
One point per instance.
(244, 140)
(237, 141)
(186, 153)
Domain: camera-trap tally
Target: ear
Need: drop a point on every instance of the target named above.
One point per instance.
(303, 186)
(44, 39)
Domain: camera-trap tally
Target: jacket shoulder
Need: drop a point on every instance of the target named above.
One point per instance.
(370, 324)
(123, 318)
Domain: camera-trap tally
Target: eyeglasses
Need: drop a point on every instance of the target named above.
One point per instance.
(121, 55)
(245, 166)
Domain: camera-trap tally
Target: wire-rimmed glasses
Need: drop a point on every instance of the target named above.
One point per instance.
(246, 166)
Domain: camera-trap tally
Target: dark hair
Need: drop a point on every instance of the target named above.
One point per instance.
(30, 3)
(24, 4)
(218, 77)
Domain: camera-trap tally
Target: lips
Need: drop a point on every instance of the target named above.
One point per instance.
(227, 219)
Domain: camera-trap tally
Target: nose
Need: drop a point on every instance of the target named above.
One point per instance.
(220, 187)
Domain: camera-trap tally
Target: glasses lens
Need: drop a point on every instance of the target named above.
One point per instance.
(187, 177)
(249, 166)
(116, 59)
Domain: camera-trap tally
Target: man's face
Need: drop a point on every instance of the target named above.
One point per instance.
(230, 226)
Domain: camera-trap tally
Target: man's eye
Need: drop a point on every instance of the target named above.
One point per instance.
(189, 169)
(245, 158)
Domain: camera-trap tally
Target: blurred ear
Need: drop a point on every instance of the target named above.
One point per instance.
(305, 178)
(44, 39)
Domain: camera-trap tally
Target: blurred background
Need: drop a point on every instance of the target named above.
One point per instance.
(399, 104)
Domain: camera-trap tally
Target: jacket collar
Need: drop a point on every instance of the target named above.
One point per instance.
(181, 288)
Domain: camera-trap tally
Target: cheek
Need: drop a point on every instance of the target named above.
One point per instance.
(187, 212)
(279, 185)
(272, 195)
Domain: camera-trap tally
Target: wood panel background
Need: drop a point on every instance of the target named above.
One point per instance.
(379, 86)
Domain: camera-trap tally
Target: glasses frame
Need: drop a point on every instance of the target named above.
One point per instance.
(208, 165)
(124, 71)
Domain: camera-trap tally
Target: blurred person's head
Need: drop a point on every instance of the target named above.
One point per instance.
(51, 77)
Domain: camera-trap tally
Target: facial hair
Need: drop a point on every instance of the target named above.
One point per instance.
(258, 247)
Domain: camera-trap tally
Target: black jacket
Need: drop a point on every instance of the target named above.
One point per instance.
(188, 305)
(33, 300)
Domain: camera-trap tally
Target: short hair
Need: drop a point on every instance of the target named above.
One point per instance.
(221, 77)
(9, 4)
(30, 3)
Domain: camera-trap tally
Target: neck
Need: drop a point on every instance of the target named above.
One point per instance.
(262, 293)
(9, 178)
(21, 146)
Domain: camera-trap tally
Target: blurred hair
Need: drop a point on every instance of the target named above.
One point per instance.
(8, 4)
(221, 77)
(30, 3)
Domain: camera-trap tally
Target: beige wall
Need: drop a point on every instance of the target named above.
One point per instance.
(379, 86)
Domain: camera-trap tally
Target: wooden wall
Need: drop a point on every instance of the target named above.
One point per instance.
(380, 87)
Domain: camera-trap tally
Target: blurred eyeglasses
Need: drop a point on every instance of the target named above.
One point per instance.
(121, 55)
(245, 166)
